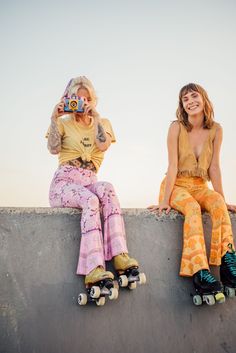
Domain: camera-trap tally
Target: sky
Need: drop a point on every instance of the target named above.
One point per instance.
(138, 54)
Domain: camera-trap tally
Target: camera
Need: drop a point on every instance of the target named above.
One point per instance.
(74, 104)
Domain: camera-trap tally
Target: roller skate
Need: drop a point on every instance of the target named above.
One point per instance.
(128, 271)
(207, 288)
(99, 284)
(228, 272)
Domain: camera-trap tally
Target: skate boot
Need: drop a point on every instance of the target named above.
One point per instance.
(207, 288)
(99, 284)
(228, 272)
(128, 271)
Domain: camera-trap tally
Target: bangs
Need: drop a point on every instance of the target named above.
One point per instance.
(190, 87)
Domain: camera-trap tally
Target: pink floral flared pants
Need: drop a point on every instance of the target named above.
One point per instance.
(77, 187)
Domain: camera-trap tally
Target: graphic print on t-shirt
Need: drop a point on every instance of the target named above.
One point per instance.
(85, 141)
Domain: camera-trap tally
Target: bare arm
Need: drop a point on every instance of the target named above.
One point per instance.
(172, 144)
(54, 137)
(102, 139)
(214, 169)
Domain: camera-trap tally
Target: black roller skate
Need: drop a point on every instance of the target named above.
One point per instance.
(99, 284)
(228, 272)
(128, 271)
(208, 289)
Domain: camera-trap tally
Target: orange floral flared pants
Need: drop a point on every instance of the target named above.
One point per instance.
(189, 196)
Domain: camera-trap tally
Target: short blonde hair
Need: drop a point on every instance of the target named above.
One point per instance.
(81, 82)
(208, 111)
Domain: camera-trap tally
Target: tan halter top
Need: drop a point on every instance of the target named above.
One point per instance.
(188, 164)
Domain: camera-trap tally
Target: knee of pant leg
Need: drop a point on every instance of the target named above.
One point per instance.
(108, 186)
(216, 201)
(192, 207)
(219, 201)
(105, 187)
(92, 203)
(218, 205)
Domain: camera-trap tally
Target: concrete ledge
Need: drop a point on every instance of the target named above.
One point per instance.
(71, 211)
(38, 290)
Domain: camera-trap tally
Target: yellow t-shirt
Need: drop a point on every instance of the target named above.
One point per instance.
(78, 140)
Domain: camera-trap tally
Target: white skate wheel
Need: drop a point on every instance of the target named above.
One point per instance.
(133, 285)
(142, 278)
(230, 292)
(210, 300)
(82, 299)
(123, 281)
(197, 299)
(220, 298)
(113, 294)
(95, 292)
(100, 301)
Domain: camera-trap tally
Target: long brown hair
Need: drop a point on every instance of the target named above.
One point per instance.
(208, 111)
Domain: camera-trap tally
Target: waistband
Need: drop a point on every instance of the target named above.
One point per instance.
(79, 163)
(190, 181)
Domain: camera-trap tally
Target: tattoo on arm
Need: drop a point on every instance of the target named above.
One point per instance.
(101, 135)
(54, 139)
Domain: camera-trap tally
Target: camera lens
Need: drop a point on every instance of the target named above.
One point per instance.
(73, 104)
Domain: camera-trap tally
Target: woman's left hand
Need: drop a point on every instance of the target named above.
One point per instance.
(89, 109)
(231, 208)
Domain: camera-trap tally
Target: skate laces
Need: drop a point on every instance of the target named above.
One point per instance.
(230, 260)
(207, 276)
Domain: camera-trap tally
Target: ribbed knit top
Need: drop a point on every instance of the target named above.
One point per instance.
(188, 164)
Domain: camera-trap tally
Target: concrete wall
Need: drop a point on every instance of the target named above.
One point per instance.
(38, 290)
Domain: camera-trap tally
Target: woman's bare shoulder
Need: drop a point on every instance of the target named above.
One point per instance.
(217, 126)
(174, 128)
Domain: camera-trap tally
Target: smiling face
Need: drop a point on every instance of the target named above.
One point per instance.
(193, 103)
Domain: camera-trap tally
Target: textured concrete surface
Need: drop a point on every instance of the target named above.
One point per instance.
(39, 288)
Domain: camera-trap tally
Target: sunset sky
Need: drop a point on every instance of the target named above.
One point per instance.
(138, 54)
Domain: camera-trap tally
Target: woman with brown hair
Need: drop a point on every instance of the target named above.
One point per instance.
(194, 142)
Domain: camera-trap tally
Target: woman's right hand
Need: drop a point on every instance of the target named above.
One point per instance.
(159, 208)
(58, 110)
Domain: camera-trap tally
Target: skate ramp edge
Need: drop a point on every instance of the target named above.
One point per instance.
(39, 313)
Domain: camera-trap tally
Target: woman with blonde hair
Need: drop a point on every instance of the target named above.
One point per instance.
(194, 142)
(80, 137)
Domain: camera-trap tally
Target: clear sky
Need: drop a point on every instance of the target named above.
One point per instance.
(138, 54)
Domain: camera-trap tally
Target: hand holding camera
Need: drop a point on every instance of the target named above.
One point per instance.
(89, 109)
(58, 110)
(74, 104)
